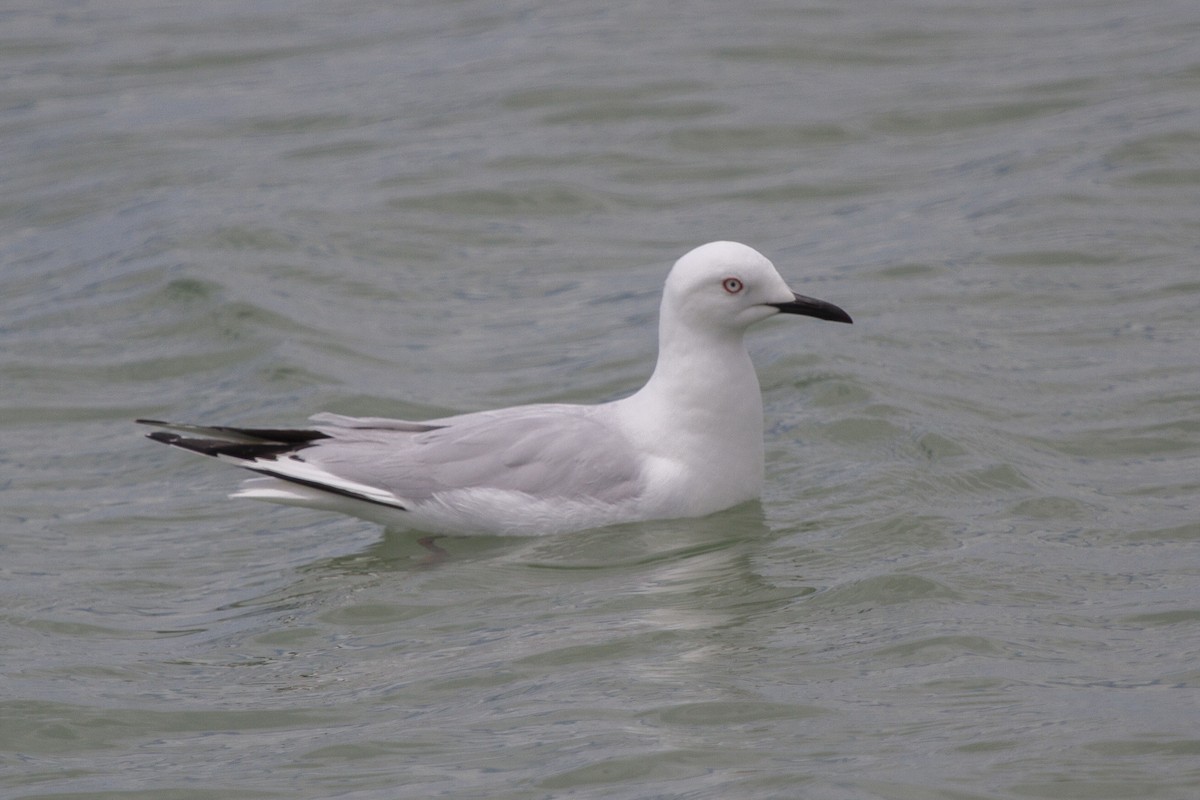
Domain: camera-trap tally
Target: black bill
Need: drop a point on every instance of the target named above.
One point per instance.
(812, 307)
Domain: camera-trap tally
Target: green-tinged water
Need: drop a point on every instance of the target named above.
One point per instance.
(974, 573)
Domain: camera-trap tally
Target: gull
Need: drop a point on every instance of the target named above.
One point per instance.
(687, 444)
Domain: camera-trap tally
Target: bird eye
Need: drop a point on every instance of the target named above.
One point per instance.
(732, 285)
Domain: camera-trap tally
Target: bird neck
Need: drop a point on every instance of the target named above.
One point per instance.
(699, 420)
(703, 387)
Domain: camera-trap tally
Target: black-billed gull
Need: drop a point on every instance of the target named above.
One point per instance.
(687, 444)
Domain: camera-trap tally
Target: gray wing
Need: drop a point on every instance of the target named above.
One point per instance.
(541, 450)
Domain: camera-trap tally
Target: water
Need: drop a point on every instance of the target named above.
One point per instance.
(974, 572)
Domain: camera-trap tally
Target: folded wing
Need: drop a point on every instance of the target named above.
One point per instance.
(542, 451)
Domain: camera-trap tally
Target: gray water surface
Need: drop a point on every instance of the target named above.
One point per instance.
(975, 571)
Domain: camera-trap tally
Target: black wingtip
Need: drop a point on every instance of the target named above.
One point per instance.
(243, 451)
(276, 443)
(290, 436)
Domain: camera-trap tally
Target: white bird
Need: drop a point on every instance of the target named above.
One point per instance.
(687, 444)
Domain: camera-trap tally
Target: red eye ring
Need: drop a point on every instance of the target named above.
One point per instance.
(732, 285)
